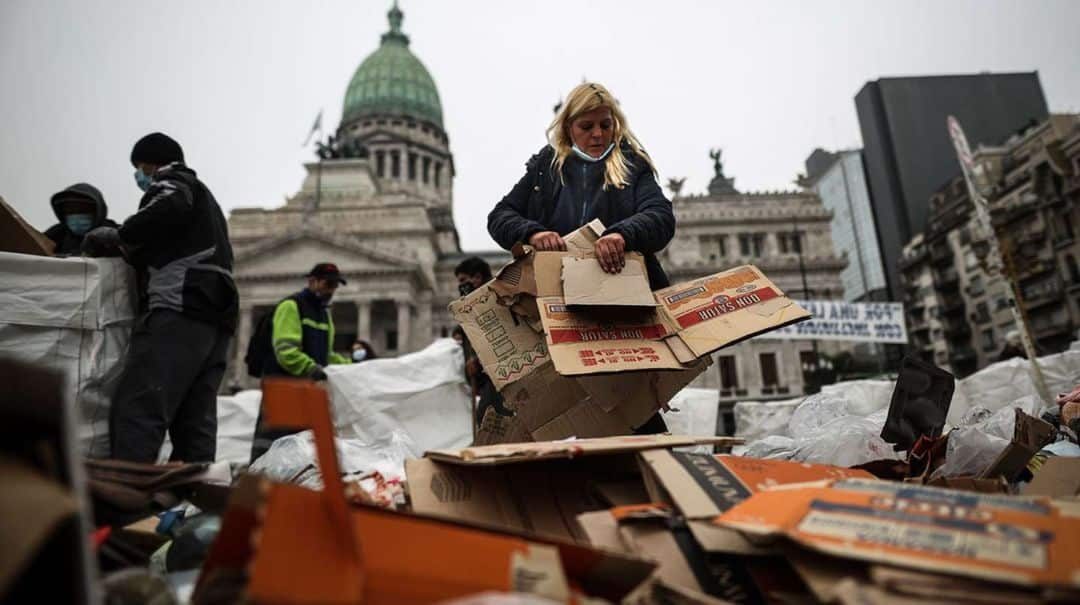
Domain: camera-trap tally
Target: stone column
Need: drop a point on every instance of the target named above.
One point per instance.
(243, 335)
(424, 329)
(363, 320)
(404, 326)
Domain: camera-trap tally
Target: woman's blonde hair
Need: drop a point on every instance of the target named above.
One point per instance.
(584, 98)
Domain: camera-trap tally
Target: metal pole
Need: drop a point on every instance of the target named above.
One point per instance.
(996, 264)
(805, 288)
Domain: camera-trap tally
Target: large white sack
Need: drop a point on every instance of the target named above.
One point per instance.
(236, 417)
(693, 412)
(864, 396)
(419, 399)
(74, 315)
(757, 419)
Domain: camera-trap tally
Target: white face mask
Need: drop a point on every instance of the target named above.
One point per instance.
(588, 158)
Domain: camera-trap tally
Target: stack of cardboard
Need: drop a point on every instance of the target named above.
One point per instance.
(578, 352)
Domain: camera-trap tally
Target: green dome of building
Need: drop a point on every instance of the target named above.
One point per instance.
(392, 81)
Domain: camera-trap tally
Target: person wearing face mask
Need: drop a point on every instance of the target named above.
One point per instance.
(362, 351)
(472, 273)
(302, 340)
(178, 242)
(80, 208)
(593, 167)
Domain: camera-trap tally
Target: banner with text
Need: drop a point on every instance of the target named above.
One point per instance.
(839, 320)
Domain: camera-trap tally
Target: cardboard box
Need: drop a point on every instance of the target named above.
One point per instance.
(361, 554)
(1029, 436)
(1057, 478)
(703, 487)
(538, 488)
(594, 369)
(1019, 541)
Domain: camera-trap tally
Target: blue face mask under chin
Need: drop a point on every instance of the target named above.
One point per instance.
(141, 180)
(79, 224)
(359, 355)
(588, 158)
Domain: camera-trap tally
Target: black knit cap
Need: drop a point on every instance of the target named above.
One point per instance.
(157, 149)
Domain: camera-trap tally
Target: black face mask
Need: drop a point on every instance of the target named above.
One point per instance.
(465, 288)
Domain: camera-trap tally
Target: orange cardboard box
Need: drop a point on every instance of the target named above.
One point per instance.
(1032, 542)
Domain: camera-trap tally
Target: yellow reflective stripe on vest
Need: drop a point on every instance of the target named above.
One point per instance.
(314, 324)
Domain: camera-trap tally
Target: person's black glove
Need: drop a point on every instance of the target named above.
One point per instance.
(102, 241)
(317, 374)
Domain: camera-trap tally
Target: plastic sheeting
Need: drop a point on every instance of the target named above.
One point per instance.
(693, 412)
(293, 459)
(759, 419)
(419, 400)
(237, 415)
(75, 315)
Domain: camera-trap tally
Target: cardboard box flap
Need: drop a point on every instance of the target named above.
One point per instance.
(927, 528)
(509, 453)
(1030, 434)
(704, 486)
(725, 308)
(582, 240)
(585, 283)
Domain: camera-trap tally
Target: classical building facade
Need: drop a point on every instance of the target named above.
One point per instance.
(378, 202)
(785, 234)
(957, 314)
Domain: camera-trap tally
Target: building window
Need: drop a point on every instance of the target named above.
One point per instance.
(438, 175)
(790, 243)
(751, 244)
(721, 246)
(770, 377)
(444, 331)
(380, 163)
(729, 379)
(1070, 266)
(412, 166)
(391, 340)
(982, 313)
(427, 170)
(395, 164)
(988, 339)
(1001, 303)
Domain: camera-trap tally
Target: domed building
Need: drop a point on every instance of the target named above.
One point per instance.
(378, 201)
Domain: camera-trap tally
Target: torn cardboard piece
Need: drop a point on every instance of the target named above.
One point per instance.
(703, 486)
(511, 453)
(585, 283)
(992, 537)
(16, 235)
(1029, 436)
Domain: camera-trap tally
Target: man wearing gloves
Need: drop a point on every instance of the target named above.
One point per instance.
(302, 339)
(178, 242)
(80, 208)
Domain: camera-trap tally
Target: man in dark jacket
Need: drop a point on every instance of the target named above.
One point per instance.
(302, 339)
(178, 241)
(80, 209)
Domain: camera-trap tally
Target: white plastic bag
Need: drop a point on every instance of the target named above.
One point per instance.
(775, 447)
(757, 419)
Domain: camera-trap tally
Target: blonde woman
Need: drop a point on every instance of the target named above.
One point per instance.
(593, 167)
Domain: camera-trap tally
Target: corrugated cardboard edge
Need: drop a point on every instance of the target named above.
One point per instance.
(16, 235)
(508, 453)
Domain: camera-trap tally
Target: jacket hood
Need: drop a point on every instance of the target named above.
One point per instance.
(84, 191)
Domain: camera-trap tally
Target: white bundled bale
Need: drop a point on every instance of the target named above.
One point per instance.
(419, 400)
(693, 412)
(74, 315)
(757, 419)
(236, 416)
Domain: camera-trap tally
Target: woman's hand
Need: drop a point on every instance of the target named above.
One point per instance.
(547, 241)
(611, 252)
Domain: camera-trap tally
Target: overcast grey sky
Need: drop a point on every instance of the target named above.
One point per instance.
(238, 83)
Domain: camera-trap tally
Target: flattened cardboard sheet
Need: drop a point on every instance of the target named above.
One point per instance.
(512, 453)
(994, 537)
(585, 283)
(16, 235)
(1058, 477)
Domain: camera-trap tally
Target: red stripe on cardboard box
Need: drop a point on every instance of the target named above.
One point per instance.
(722, 305)
(564, 335)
